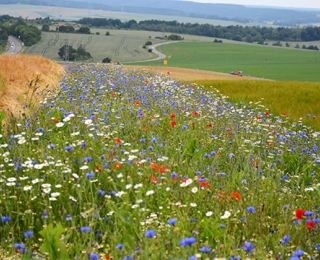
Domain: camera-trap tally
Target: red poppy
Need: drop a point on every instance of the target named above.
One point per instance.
(163, 168)
(195, 113)
(154, 179)
(210, 125)
(147, 81)
(267, 113)
(193, 86)
(118, 140)
(284, 113)
(300, 213)
(173, 123)
(113, 94)
(192, 124)
(56, 120)
(205, 184)
(229, 133)
(138, 102)
(236, 195)
(168, 72)
(258, 117)
(311, 225)
(118, 165)
(154, 166)
(173, 116)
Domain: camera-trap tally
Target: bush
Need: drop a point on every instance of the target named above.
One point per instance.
(97, 33)
(107, 33)
(148, 43)
(149, 50)
(106, 60)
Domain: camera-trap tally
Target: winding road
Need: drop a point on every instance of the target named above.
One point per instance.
(15, 45)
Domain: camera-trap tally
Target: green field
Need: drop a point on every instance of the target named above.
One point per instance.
(257, 61)
(120, 46)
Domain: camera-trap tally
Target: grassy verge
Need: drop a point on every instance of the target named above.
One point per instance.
(300, 101)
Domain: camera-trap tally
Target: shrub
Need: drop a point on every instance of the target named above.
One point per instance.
(106, 60)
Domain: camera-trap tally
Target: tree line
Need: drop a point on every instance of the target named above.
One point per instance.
(17, 27)
(232, 32)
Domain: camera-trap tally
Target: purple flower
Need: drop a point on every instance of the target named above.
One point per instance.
(68, 217)
(150, 233)
(285, 239)
(45, 214)
(308, 214)
(85, 229)
(188, 241)
(128, 258)
(251, 209)
(248, 246)
(205, 249)
(90, 174)
(172, 221)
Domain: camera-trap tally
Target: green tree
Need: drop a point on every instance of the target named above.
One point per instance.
(45, 28)
(106, 60)
(84, 29)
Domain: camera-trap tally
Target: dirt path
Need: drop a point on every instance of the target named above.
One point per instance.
(189, 74)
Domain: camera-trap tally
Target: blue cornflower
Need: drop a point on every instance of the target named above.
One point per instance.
(101, 192)
(308, 214)
(24, 250)
(153, 140)
(68, 217)
(188, 241)
(128, 258)
(94, 256)
(19, 245)
(5, 218)
(251, 209)
(235, 257)
(69, 148)
(28, 233)
(172, 221)
(222, 226)
(120, 246)
(248, 246)
(231, 155)
(298, 253)
(150, 233)
(45, 214)
(285, 239)
(88, 159)
(184, 127)
(83, 145)
(294, 258)
(205, 249)
(90, 174)
(52, 146)
(193, 257)
(85, 229)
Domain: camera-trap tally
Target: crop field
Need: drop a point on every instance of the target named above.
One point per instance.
(70, 14)
(126, 164)
(120, 46)
(256, 61)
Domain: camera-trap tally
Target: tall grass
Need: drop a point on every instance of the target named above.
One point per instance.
(26, 80)
(299, 100)
(130, 165)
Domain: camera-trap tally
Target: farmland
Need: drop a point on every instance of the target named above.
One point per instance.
(119, 46)
(257, 61)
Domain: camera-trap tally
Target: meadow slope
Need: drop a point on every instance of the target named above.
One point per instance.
(128, 164)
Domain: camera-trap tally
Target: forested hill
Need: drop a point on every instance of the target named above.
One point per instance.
(238, 13)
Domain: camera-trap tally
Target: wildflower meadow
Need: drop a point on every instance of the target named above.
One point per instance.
(125, 164)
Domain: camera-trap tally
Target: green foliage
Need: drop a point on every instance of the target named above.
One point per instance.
(84, 29)
(67, 52)
(148, 43)
(106, 60)
(45, 28)
(53, 245)
(66, 29)
(175, 37)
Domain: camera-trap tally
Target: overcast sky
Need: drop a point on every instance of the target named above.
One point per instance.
(282, 3)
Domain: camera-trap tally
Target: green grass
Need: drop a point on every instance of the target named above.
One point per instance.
(256, 61)
(126, 163)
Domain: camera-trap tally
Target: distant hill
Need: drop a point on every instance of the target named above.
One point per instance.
(238, 13)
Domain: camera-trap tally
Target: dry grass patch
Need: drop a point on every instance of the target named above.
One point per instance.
(24, 80)
(188, 74)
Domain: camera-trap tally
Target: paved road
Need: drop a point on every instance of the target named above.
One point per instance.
(161, 56)
(15, 45)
